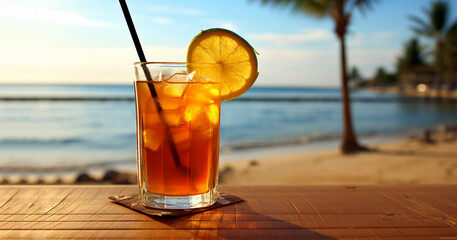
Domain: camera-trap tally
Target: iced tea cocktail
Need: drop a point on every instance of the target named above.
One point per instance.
(177, 135)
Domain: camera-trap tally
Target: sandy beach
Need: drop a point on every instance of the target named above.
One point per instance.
(413, 160)
(410, 161)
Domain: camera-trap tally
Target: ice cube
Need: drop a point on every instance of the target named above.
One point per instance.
(202, 94)
(193, 77)
(173, 118)
(192, 111)
(175, 90)
(151, 120)
(178, 78)
(152, 139)
(213, 113)
(200, 119)
(190, 76)
(170, 103)
(215, 92)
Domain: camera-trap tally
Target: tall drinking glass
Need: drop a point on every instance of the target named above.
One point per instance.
(177, 119)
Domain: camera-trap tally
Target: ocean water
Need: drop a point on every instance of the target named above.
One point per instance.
(79, 126)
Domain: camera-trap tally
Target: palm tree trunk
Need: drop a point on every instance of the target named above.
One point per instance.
(439, 67)
(349, 141)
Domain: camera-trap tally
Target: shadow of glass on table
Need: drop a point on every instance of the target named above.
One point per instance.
(238, 221)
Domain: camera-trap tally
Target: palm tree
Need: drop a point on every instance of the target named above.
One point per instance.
(354, 75)
(340, 11)
(450, 50)
(436, 26)
(383, 77)
(412, 56)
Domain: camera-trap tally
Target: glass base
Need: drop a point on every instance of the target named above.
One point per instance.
(178, 202)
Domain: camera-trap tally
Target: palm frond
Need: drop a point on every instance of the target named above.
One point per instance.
(320, 8)
(362, 5)
(450, 37)
(317, 8)
(435, 18)
(419, 21)
(427, 32)
(427, 12)
(423, 28)
(439, 15)
(452, 31)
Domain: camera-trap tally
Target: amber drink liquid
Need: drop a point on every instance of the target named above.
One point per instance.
(177, 136)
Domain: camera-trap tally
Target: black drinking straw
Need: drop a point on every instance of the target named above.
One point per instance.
(153, 91)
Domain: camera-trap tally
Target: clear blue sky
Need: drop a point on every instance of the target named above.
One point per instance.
(87, 41)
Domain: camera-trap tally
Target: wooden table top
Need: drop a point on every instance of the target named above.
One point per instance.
(269, 212)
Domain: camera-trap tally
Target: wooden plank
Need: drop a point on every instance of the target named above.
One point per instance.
(269, 212)
(230, 234)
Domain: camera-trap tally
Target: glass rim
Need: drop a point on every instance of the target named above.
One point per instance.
(172, 64)
(161, 71)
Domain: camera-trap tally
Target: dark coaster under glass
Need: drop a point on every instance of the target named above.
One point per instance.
(132, 202)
